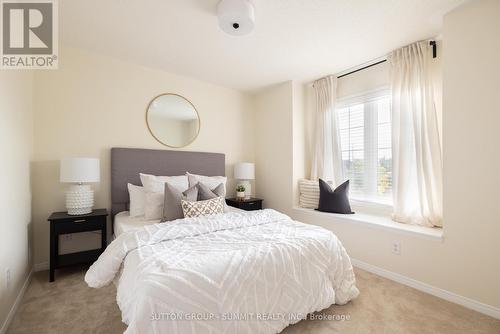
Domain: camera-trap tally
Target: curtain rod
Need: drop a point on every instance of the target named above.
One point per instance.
(434, 55)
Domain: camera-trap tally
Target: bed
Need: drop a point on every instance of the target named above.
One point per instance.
(236, 272)
(124, 223)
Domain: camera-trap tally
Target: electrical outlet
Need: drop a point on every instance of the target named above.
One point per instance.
(7, 278)
(396, 248)
(68, 237)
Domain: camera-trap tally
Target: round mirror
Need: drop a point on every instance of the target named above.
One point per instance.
(173, 120)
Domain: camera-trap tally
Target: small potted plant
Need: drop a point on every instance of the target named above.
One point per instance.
(240, 192)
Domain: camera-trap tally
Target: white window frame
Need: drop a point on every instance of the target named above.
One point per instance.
(363, 98)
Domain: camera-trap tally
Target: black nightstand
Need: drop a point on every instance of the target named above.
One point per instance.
(62, 223)
(246, 204)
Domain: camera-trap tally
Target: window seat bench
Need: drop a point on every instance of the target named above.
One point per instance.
(375, 221)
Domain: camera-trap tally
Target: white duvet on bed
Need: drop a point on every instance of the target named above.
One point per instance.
(238, 272)
(124, 222)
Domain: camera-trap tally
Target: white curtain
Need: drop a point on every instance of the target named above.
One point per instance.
(327, 155)
(417, 160)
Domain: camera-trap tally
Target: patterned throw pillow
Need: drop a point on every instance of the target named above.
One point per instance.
(203, 208)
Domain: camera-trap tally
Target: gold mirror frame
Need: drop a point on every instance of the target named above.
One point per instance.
(158, 139)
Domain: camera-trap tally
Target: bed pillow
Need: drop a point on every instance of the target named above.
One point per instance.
(209, 181)
(309, 193)
(153, 205)
(202, 208)
(172, 208)
(204, 193)
(156, 184)
(334, 201)
(136, 200)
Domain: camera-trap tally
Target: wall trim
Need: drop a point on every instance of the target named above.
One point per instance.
(15, 306)
(432, 290)
(42, 266)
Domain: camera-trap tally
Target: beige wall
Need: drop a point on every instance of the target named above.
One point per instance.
(466, 261)
(274, 147)
(301, 163)
(16, 148)
(471, 120)
(369, 79)
(93, 103)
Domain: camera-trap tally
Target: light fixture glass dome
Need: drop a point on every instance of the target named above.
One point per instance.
(236, 17)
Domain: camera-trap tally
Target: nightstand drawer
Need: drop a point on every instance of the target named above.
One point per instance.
(250, 206)
(247, 205)
(80, 224)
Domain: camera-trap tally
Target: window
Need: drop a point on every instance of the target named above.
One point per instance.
(366, 143)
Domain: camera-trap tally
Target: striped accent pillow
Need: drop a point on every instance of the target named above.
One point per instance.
(309, 193)
(202, 208)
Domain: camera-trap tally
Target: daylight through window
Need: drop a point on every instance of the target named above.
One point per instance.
(365, 131)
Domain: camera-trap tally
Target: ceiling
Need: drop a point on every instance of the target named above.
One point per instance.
(293, 39)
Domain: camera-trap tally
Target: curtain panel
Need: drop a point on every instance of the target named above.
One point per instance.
(327, 155)
(417, 158)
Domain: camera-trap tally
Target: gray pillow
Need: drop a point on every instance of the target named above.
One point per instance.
(172, 208)
(335, 201)
(205, 193)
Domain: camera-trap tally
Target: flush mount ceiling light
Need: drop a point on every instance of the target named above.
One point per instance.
(236, 17)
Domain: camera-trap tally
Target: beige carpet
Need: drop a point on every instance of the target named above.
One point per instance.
(69, 306)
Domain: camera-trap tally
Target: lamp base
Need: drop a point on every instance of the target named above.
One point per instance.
(79, 200)
(248, 188)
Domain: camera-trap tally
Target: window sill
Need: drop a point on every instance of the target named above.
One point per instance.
(375, 221)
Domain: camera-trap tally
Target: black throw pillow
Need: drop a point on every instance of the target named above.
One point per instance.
(335, 201)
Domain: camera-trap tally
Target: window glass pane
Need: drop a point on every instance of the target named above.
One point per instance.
(356, 139)
(384, 135)
(384, 173)
(367, 149)
(344, 139)
(345, 156)
(356, 116)
(355, 172)
(343, 115)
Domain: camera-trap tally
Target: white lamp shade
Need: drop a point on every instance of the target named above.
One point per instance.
(79, 170)
(244, 171)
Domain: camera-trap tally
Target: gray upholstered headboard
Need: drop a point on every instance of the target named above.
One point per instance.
(127, 163)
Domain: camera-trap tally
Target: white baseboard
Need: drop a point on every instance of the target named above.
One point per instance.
(41, 266)
(432, 290)
(16, 304)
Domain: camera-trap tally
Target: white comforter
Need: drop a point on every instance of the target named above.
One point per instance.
(252, 272)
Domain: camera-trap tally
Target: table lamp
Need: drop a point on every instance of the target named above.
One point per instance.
(244, 172)
(79, 196)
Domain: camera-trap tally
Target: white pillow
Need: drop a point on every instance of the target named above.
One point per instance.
(309, 193)
(153, 208)
(137, 200)
(210, 181)
(154, 183)
(154, 188)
